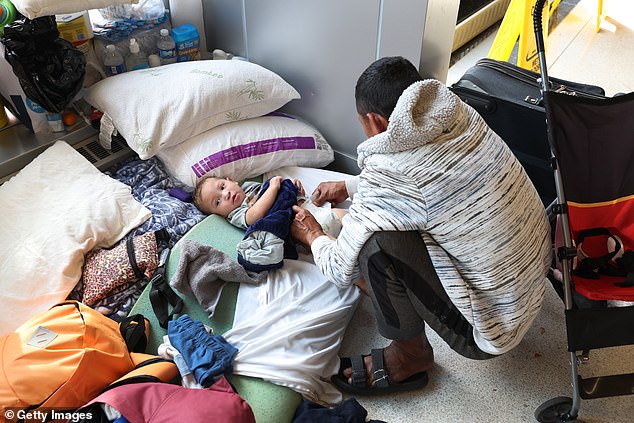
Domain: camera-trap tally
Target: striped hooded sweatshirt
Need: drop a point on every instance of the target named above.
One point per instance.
(440, 170)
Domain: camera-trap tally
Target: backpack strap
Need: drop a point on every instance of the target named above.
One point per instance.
(148, 368)
(134, 330)
(162, 295)
(129, 246)
(160, 235)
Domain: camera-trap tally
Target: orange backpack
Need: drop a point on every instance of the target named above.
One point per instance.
(66, 356)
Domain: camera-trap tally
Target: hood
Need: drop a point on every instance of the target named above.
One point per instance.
(426, 111)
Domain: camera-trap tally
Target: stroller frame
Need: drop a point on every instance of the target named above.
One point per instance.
(587, 328)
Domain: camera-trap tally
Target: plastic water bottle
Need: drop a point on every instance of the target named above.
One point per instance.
(55, 122)
(113, 61)
(167, 47)
(136, 59)
(154, 60)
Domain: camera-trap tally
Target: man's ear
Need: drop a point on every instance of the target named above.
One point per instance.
(376, 122)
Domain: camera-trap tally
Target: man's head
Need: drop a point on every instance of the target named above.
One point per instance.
(379, 88)
(218, 196)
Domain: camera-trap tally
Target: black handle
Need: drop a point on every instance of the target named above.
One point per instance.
(537, 25)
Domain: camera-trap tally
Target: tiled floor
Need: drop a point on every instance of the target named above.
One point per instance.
(509, 388)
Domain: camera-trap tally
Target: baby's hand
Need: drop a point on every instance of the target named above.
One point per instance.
(276, 182)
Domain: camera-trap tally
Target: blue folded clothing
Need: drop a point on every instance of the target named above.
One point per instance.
(208, 356)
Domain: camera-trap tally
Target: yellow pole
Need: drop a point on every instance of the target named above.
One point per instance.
(597, 25)
(527, 47)
(517, 27)
(508, 32)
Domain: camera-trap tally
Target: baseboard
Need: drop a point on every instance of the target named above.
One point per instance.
(344, 163)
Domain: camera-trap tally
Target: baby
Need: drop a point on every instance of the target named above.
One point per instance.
(240, 204)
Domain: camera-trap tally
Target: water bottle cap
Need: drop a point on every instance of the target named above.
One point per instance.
(110, 47)
(134, 47)
(164, 32)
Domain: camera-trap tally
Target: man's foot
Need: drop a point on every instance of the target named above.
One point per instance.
(400, 366)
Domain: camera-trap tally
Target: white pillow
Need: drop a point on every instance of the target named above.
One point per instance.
(55, 210)
(247, 148)
(36, 8)
(164, 106)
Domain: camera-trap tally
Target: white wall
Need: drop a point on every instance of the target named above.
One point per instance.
(321, 47)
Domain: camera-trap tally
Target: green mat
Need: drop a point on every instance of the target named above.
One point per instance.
(270, 403)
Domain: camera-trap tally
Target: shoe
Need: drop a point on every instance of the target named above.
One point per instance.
(382, 383)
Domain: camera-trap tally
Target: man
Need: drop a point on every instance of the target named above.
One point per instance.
(445, 228)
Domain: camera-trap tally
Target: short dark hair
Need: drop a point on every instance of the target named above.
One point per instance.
(382, 83)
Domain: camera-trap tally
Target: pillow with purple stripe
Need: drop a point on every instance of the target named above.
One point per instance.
(247, 148)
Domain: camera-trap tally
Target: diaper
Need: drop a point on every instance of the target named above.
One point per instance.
(329, 221)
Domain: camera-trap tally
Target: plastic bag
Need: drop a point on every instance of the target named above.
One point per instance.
(31, 114)
(145, 10)
(50, 69)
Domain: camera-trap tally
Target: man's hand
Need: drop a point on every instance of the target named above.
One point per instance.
(334, 192)
(305, 229)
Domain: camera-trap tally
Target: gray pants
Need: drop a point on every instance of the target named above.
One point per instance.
(406, 292)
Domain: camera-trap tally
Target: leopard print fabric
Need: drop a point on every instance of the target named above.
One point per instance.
(107, 271)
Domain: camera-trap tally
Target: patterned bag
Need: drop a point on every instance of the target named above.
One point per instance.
(109, 270)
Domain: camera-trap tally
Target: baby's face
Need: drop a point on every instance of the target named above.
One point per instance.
(221, 196)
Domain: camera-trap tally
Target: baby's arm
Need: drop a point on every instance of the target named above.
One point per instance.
(262, 206)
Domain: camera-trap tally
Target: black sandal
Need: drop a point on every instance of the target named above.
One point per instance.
(382, 383)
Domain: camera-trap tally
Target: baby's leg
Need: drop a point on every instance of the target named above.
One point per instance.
(339, 212)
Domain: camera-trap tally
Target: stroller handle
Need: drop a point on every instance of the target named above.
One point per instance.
(537, 25)
(539, 42)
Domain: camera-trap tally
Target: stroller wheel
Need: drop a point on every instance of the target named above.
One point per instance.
(555, 410)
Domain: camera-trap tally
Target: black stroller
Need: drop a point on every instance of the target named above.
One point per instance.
(592, 144)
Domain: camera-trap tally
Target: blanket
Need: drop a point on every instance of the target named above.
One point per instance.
(151, 186)
(202, 272)
(288, 330)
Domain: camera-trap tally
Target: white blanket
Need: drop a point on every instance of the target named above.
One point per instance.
(289, 331)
